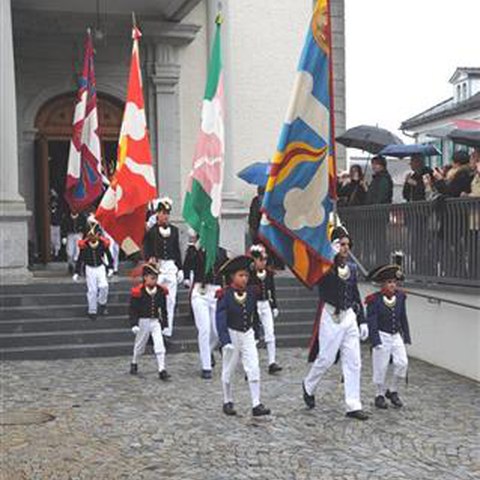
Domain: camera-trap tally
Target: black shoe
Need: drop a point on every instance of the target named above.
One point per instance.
(380, 402)
(133, 368)
(260, 410)
(164, 376)
(394, 398)
(92, 316)
(274, 368)
(70, 269)
(206, 374)
(212, 360)
(358, 415)
(228, 409)
(102, 310)
(308, 399)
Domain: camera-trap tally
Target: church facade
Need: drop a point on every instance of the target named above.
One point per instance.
(41, 57)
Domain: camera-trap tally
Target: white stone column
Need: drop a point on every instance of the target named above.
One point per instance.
(165, 78)
(13, 215)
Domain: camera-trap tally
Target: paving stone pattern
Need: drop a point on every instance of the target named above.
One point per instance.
(110, 425)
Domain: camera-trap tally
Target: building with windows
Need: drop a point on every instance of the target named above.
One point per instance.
(434, 124)
(41, 56)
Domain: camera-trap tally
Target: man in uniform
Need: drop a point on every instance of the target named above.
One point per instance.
(341, 325)
(72, 232)
(389, 332)
(162, 246)
(204, 286)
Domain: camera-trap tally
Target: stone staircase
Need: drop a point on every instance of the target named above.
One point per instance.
(46, 319)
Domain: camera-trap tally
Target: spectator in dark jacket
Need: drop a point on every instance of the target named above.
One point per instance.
(458, 179)
(254, 215)
(353, 192)
(380, 189)
(414, 188)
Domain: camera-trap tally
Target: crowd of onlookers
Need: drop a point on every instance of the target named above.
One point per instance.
(459, 179)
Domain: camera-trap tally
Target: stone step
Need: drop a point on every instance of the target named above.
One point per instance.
(118, 335)
(113, 349)
(115, 296)
(117, 309)
(71, 324)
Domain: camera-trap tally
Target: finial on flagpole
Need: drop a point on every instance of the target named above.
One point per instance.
(219, 17)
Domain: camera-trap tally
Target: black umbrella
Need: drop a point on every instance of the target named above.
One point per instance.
(369, 139)
(471, 138)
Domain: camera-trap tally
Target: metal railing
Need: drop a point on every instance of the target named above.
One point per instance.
(440, 240)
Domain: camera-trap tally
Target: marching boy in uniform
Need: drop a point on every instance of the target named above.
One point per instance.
(262, 278)
(204, 287)
(162, 246)
(148, 315)
(341, 325)
(235, 316)
(389, 332)
(96, 258)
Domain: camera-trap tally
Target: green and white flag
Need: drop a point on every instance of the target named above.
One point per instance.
(201, 209)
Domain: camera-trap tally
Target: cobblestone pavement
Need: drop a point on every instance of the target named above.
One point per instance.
(109, 425)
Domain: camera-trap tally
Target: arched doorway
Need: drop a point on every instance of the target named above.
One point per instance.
(54, 131)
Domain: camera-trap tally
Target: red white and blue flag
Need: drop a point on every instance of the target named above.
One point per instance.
(84, 173)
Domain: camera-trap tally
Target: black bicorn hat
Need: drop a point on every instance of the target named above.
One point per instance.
(242, 262)
(340, 232)
(150, 269)
(386, 272)
(164, 204)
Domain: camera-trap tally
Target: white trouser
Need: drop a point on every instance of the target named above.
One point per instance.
(55, 239)
(265, 314)
(149, 326)
(244, 349)
(204, 306)
(336, 333)
(97, 287)
(72, 247)
(392, 346)
(168, 278)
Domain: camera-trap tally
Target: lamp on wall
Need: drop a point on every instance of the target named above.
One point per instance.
(100, 30)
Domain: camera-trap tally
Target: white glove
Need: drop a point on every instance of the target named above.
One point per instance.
(336, 245)
(109, 273)
(187, 283)
(76, 277)
(180, 276)
(275, 312)
(64, 241)
(363, 331)
(228, 347)
(135, 329)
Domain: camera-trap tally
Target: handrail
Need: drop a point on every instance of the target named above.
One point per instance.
(416, 294)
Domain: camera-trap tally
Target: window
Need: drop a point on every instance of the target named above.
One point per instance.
(464, 88)
(459, 93)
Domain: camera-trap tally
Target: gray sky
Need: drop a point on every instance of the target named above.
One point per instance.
(401, 54)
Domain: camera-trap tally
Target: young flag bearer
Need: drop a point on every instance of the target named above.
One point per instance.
(339, 328)
(204, 287)
(389, 332)
(148, 315)
(235, 316)
(96, 258)
(262, 278)
(162, 246)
